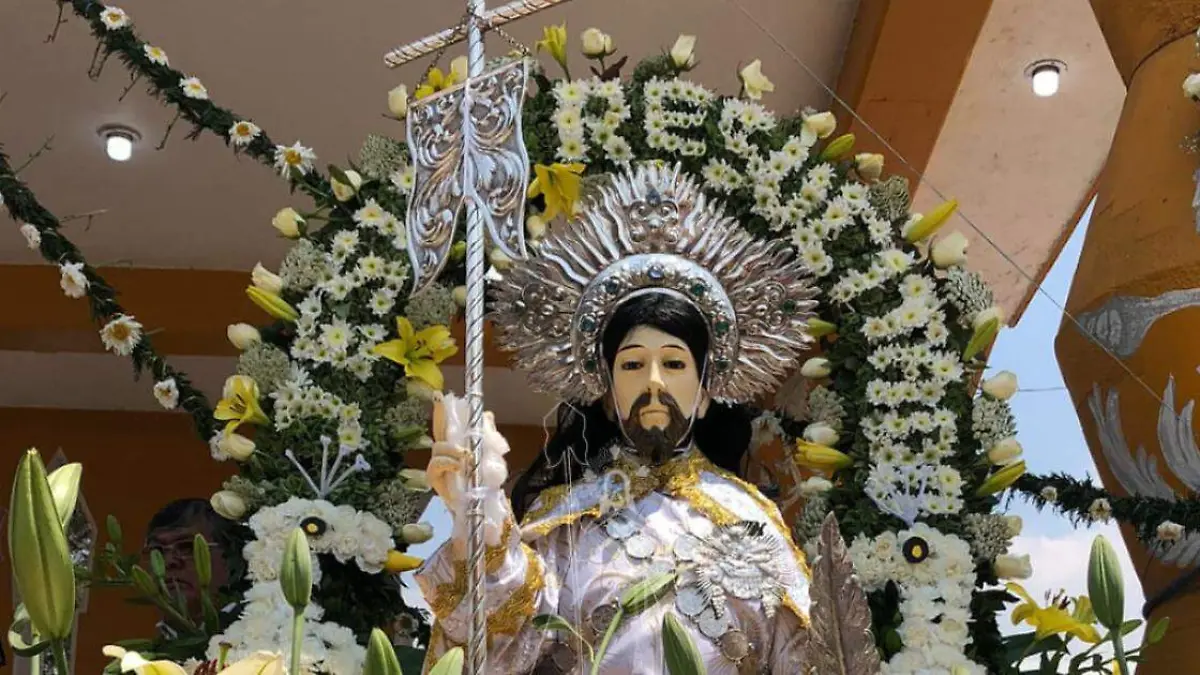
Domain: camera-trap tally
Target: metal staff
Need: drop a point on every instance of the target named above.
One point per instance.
(492, 19)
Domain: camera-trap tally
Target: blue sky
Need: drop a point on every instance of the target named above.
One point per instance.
(1048, 429)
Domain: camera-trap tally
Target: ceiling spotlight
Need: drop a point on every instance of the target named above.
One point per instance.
(118, 142)
(1045, 76)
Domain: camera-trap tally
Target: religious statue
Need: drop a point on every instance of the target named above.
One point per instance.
(656, 318)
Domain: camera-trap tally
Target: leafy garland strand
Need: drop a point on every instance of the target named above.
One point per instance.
(1074, 498)
(102, 299)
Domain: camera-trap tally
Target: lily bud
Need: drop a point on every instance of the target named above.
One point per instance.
(398, 562)
(929, 223)
(37, 543)
(535, 225)
(381, 656)
(821, 434)
(64, 488)
(984, 334)
(820, 457)
(1106, 588)
(981, 318)
(1001, 386)
(398, 102)
(837, 148)
(596, 43)
(950, 250)
(822, 125)
(266, 280)
(1002, 479)
(460, 296)
(258, 663)
(1013, 566)
(816, 368)
(416, 533)
(820, 328)
(288, 222)
(451, 663)
(295, 574)
(499, 259)
(869, 166)
(236, 446)
(243, 335)
(202, 554)
(1005, 452)
(272, 304)
(1013, 525)
(345, 191)
(414, 479)
(228, 504)
(683, 52)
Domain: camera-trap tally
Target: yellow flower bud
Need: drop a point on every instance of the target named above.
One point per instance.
(398, 101)
(1002, 479)
(822, 125)
(869, 165)
(1013, 566)
(272, 304)
(821, 434)
(595, 43)
(683, 52)
(837, 148)
(1001, 386)
(228, 504)
(754, 83)
(820, 328)
(816, 368)
(288, 222)
(344, 192)
(820, 457)
(237, 446)
(1005, 452)
(930, 222)
(460, 296)
(950, 250)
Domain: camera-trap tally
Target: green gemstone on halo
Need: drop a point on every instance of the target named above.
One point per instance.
(789, 305)
(699, 288)
(587, 324)
(590, 365)
(721, 327)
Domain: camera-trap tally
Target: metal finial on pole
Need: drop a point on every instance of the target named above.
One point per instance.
(492, 19)
(477, 631)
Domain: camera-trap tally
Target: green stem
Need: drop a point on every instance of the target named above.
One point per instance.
(297, 639)
(612, 628)
(1119, 651)
(59, 647)
(35, 664)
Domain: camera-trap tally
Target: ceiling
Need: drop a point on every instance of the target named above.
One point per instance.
(313, 71)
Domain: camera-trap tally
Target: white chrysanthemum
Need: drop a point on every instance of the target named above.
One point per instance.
(370, 214)
(33, 238)
(121, 334)
(166, 392)
(193, 88)
(73, 281)
(294, 157)
(115, 18)
(243, 132)
(403, 178)
(156, 55)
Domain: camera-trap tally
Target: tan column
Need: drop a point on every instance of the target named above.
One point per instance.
(1137, 290)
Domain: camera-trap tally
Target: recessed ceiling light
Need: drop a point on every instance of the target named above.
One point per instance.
(119, 141)
(1045, 76)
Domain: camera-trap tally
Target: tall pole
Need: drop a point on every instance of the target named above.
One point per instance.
(477, 631)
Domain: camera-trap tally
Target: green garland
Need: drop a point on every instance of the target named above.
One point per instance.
(23, 206)
(1075, 497)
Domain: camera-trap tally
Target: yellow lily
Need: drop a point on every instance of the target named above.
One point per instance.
(1047, 621)
(239, 404)
(271, 304)
(554, 41)
(420, 352)
(437, 81)
(1002, 479)
(820, 457)
(134, 662)
(258, 663)
(398, 562)
(931, 222)
(559, 184)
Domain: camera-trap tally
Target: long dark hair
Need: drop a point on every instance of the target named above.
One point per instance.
(583, 433)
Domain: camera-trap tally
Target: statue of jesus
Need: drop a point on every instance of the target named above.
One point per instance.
(655, 318)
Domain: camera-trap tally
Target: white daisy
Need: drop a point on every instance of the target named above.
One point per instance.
(382, 301)
(167, 393)
(345, 241)
(618, 149)
(115, 18)
(372, 333)
(403, 178)
(74, 283)
(243, 132)
(155, 54)
(361, 368)
(371, 214)
(337, 336)
(339, 287)
(33, 238)
(295, 157)
(121, 334)
(192, 88)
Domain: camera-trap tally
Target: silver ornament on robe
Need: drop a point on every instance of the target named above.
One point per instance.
(467, 147)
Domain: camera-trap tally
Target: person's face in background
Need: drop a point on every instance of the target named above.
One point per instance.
(176, 546)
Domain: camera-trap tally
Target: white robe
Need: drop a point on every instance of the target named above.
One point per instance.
(574, 554)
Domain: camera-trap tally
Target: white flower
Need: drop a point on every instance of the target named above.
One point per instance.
(343, 192)
(1013, 525)
(192, 88)
(167, 393)
(403, 178)
(1169, 531)
(816, 367)
(869, 165)
(821, 434)
(1049, 494)
(33, 238)
(993, 312)
(815, 486)
(950, 250)
(296, 157)
(822, 125)
(1100, 510)
(595, 43)
(155, 54)
(1013, 566)
(371, 214)
(1191, 86)
(121, 334)
(266, 280)
(1001, 386)
(243, 132)
(683, 52)
(242, 335)
(1005, 452)
(115, 18)
(73, 282)
(228, 504)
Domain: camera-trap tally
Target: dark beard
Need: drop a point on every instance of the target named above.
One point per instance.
(656, 443)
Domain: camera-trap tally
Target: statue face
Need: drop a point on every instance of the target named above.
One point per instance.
(656, 388)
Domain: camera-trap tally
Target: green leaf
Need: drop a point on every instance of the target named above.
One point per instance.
(451, 663)
(557, 623)
(646, 592)
(158, 564)
(16, 635)
(64, 486)
(679, 650)
(203, 557)
(1130, 626)
(1158, 630)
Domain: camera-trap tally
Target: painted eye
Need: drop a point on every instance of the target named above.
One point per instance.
(676, 364)
(631, 365)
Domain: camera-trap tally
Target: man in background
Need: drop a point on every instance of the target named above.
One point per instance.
(171, 532)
